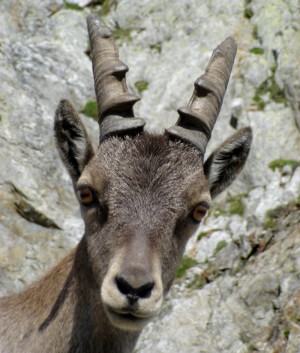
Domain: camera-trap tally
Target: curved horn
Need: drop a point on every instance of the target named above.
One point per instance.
(196, 121)
(115, 103)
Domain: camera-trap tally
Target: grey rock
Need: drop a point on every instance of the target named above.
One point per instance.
(281, 37)
(37, 70)
(244, 293)
(274, 194)
(80, 3)
(264, 284)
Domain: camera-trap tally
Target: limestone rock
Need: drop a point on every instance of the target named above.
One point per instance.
(243, 296)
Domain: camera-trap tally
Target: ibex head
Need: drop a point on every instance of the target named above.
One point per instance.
(143, 196)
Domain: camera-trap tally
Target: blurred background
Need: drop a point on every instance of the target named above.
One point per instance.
(238, 287)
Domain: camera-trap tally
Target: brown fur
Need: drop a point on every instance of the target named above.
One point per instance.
(146, 189)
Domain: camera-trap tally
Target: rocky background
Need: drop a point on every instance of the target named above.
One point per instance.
(238, 287)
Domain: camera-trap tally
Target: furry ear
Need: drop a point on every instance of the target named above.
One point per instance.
(72, 141)
(225, 163)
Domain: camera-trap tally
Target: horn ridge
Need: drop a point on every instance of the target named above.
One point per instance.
(189, 119)
(196, 121)
(113, 97)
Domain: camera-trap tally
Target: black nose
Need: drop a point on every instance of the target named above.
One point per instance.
(134, 292)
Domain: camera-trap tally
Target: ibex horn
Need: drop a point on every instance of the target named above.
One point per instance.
(196, 121)
(115, 103)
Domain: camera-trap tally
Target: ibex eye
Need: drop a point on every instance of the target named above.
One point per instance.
(85, 195)
(199, 212)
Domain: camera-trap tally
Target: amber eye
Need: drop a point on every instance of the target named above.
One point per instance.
(199, 212)
(85, 195)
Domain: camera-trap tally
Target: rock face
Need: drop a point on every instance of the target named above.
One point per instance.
(242, 293)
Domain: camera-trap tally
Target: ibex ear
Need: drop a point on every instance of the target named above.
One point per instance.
(72, 141)
(225, 163)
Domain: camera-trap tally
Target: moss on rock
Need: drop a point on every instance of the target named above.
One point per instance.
(91, 110)
(257, 51)
(186, 263)
(141, 86)
(106, 6)
(280, 163)
(236, 205)
(269, 86)
(221, 245)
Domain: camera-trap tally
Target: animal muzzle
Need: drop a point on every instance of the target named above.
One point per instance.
(135, 284)
(132, 291)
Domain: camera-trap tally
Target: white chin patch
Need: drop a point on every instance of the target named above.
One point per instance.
(127, 322)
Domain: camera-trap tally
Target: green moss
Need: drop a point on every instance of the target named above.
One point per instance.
(287, 333)
(141, 86)
(248, 13)
(273, 215)
(276, 93)
(186, 263)
(207, 233)
(106, 7)
(91, 110)
(71, 6)
(122, 34)
(156, 46)
(236, 205)
(269, 223)
(221, 245)
(260, 103)
(269, 86)
(255, 32)
(257, 51)
(200, 236)
(0, 117)
(277, 212)
(280, 163)
(252, 348)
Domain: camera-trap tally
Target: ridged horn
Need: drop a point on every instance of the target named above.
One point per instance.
(196, 121)
(115, 103)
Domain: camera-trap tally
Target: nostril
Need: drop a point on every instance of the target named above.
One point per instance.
(123, 286)
(143, 291)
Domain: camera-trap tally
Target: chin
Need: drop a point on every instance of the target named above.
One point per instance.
(127, 321)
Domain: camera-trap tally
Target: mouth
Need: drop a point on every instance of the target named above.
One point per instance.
(127, 319)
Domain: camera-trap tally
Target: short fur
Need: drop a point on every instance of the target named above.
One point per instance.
(146, 187)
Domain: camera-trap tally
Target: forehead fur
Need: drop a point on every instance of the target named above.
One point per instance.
(147, 169)
(148, 161)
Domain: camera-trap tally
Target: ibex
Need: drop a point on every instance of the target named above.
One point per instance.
(141, 196)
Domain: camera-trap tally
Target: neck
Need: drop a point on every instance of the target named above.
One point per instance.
(62, 313)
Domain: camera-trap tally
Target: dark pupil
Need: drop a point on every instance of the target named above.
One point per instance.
(85, 195)
(200, 213)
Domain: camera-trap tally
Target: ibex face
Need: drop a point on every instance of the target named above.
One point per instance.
(145, 191)
(143, 196)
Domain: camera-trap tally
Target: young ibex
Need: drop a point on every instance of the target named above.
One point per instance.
(141, 198)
